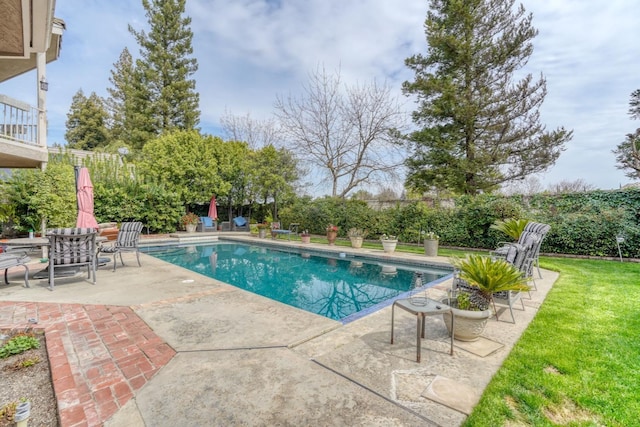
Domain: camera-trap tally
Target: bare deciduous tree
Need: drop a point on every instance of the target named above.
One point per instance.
(256, 133)
(577, 186)
(529, 186)
(348, 134)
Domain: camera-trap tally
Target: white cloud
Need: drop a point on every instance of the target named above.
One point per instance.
(249, 51)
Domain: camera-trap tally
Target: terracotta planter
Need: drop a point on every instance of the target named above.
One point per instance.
(356, 242)
(331, 237)
(431, 247)
(389, 246)
(469, 325)
(305, 239)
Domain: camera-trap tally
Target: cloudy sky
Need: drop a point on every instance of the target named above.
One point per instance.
(249, 51)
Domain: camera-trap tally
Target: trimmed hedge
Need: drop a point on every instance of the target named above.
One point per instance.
(581, 223)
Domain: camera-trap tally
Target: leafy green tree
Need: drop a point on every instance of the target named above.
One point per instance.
(87, 122)
(38, 194)
(234, 160)
(164, 89)
(274, 174)
(628, 152)
(479, 125)
(187, 163)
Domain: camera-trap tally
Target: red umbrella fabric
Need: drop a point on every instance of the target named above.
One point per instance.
(213, 210)
(85, 201)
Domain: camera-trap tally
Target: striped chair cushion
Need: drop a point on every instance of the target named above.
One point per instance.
(72, 245)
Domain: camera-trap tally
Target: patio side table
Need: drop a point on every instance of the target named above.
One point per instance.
(430, 308)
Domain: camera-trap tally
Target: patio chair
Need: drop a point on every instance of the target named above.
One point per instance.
(8, 260)
(206, 224)
(72, 247)
(532, 228)
(240, 224)
(127, 241)
(522, 257)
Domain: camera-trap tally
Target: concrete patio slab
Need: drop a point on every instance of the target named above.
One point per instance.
(263, 387)
(453, 394)
(481, 347)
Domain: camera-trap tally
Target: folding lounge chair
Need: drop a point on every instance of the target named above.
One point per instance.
(127, 241)
(521, 256)
(8, 260)
(533, 228)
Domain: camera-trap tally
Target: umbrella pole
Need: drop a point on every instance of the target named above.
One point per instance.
(76, 172)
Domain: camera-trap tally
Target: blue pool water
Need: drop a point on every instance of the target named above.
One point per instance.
(330, 285)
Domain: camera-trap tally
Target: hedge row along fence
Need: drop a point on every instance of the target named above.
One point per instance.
(581, 223)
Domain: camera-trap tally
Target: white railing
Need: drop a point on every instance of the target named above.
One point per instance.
(18, 121)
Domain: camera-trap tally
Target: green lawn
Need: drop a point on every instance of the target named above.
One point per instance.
(578, 363)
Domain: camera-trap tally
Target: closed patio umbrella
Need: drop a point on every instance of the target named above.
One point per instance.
(213, 210)
(85, 200)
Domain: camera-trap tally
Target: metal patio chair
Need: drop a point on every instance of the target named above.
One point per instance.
(127, 241)
(72, 247)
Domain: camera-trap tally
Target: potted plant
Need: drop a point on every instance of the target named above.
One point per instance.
(262, 230)
(389, 243)
(431, 244)
(478, 279)
(356, 235)
(332, 234)
(511, 227)
(189, 221)
(305, 237)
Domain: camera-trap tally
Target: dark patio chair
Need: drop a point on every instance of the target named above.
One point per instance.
(127, 241)
(72, 247)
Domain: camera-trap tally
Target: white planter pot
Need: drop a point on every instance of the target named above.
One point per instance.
(356, 242)
(431, 247)
(469, 325)
(389, 245)
(191, 228)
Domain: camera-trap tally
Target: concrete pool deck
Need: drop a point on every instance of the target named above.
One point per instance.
(159, 345)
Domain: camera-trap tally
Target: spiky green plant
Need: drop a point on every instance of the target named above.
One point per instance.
(511, 227)
(487, 276)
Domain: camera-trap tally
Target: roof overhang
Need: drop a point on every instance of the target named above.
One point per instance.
(28, 27)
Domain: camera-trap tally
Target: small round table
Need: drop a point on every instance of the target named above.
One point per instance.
(430, 308)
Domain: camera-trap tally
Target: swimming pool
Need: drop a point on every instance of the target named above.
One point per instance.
(336, 286)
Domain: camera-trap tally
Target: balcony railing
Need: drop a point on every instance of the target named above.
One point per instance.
(18, 121)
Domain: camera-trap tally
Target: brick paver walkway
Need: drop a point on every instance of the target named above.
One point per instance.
(99, 355)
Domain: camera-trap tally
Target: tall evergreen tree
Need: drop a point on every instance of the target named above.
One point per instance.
(131, 121)
(628, 152)
(479, 127)
(165, 93)
(87, 122)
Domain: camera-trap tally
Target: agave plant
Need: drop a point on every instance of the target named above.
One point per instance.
(486, 276)
(511, 227)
